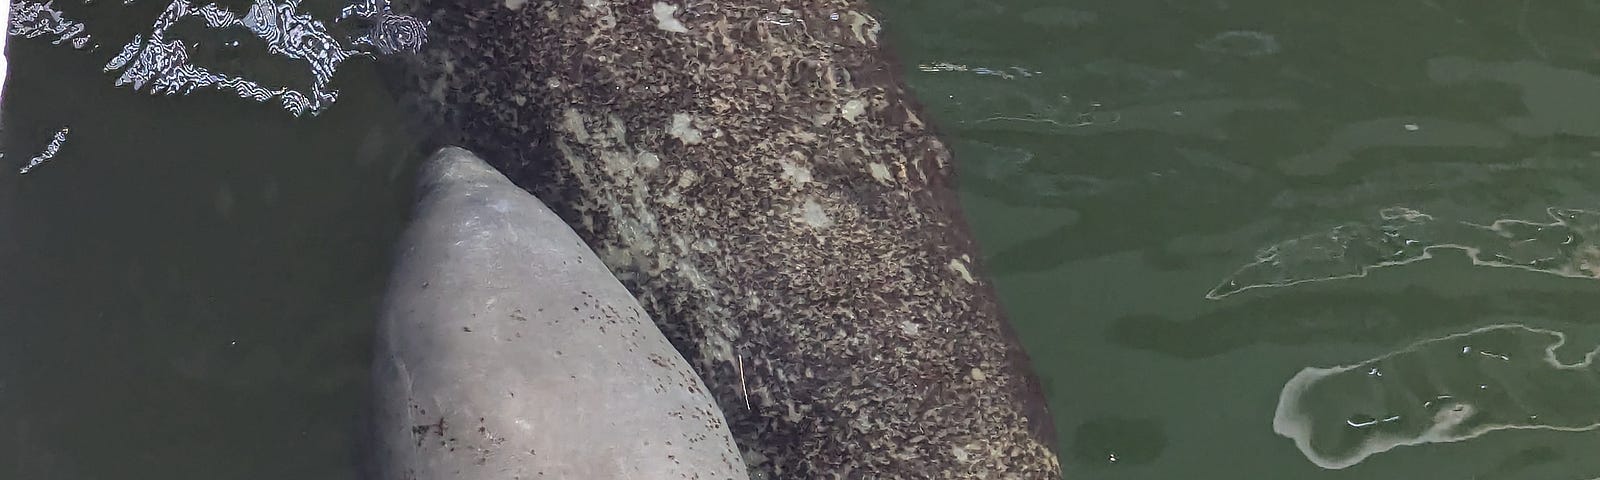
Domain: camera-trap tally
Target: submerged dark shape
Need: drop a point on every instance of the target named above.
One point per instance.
(758, 175)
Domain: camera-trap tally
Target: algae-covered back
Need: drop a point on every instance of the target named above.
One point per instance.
(757, 174)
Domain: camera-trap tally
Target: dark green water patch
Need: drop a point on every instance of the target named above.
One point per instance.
(191, 281)
(1121, 160)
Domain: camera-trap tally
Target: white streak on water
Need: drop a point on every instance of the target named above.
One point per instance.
(1568, 247)
(5, 18)
(49, 152)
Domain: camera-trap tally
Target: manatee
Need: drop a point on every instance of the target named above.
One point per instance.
(506, 350)
(759, 177)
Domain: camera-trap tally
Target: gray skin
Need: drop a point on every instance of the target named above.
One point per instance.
(757, 174)
(506, 350)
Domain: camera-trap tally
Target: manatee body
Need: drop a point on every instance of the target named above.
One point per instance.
(756, 173)
(506, 350)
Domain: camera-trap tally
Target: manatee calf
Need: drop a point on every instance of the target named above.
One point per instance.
(759, 177)
(506, 351)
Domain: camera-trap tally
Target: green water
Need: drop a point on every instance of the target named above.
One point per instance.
(1122, 158)
(189, 286)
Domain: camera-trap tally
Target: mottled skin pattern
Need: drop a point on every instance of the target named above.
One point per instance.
(761, 180)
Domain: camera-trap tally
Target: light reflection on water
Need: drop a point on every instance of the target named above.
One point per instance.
(1161, 145)
(191, 280)
(1119, 157)
(164, 65)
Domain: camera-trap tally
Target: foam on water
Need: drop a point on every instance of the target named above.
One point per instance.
(1566, 247)
(1447, 389)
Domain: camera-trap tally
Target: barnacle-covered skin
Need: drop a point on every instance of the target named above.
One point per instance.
(756, 173)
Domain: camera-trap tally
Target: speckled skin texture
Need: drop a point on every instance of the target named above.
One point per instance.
(758, 176)
(506, 351)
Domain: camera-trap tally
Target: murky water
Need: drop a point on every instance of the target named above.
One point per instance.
(1244, 239)
(1225, 227)
(190, 282)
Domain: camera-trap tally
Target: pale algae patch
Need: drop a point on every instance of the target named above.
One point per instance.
(1441, 390)
(1566, 247)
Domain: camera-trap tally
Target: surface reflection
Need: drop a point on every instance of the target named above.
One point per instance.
(165, 65)
(1161, 144)
(33, 19)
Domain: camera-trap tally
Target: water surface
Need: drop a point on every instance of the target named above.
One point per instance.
(1202, 216)
(1121, 160)
(191, 282)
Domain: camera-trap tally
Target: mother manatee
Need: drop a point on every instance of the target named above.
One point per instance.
(757, 174)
